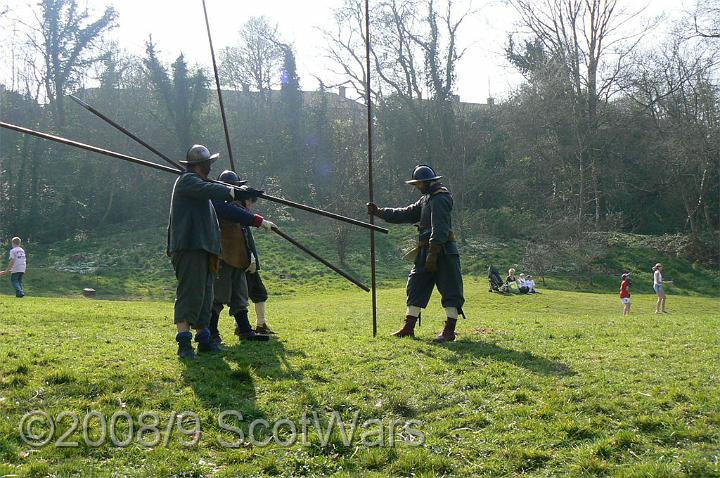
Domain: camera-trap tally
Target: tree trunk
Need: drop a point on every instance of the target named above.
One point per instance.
(34, 213)
(690, 214)
(596, 192)
(109, 206)
(581, 181)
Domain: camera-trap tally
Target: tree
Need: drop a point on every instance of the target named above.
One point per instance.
(414, 47)
(677, 88)
(183, 96)
(253, 62)
(414, 52)
(706, 19)
(66, 38)
(583, 47)
(291, 104)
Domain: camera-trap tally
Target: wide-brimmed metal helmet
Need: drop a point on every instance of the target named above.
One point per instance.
(199, 154)
(423, 173)
(231, 177)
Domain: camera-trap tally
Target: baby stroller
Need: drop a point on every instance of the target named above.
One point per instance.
(496, 282)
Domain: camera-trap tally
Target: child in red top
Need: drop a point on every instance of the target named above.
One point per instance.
(625, 293)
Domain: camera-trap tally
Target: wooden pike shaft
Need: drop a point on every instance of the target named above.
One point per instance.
(320, 259)
(373, 274)
(219, 91)
(128, 133)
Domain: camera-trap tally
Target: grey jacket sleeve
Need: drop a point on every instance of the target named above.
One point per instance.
(441, 208)
(409, 214)
(193, 186)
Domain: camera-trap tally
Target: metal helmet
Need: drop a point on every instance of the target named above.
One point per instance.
(199, 154)
(423, 173)
(231, 177)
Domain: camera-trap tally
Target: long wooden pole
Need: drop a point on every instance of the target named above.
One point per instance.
(88, 147)
(328, 264)
(371, 195)
(219, 91)
(124, 130)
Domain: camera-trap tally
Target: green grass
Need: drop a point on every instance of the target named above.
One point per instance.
(558, 384)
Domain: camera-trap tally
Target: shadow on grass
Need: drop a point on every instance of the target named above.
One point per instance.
(220, 385)
(527, 360)
(269, 360)
(225, 381)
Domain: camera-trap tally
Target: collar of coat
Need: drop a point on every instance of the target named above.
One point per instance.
(438, 188)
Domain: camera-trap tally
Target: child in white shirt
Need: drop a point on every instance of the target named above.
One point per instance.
(16, 267)
(530, 284)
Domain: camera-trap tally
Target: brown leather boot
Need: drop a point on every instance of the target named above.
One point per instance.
(408, 329)
(448, 333)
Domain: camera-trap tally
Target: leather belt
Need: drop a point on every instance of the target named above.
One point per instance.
(426, 242)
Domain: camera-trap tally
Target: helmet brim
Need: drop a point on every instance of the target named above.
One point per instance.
(211, 159)
(416, 181)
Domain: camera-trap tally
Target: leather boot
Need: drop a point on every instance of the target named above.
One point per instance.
(244, 330)
(448, 333)
(185, 348)
(264, 329)
(408, 329)
(262, 326)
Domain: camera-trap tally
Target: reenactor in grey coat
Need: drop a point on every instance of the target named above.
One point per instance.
(437, 260)
(194, 246)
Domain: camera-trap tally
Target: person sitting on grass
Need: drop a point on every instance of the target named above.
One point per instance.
(511, 280)
(625, 293)
(16, 267)
(530, 284)
(522, 285)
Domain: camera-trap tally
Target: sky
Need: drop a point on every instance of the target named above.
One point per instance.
(178, 26)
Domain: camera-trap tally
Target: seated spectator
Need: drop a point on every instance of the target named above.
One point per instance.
(522, 284)
(511, 279)
(530, 283)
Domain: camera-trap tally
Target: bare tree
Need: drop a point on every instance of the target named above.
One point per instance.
(706, 19)
(345, 45)
(65, 37)
(677, 86)
(585, 41)
(254, 62)
(413, 46)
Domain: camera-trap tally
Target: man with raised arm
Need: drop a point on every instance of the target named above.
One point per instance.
(437, 260)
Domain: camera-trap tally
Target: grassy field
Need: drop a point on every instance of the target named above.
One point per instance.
(546, 385)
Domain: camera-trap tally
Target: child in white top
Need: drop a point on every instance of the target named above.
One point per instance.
(522, 284)
(16, 267)
(658, 286)
(530, 284)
